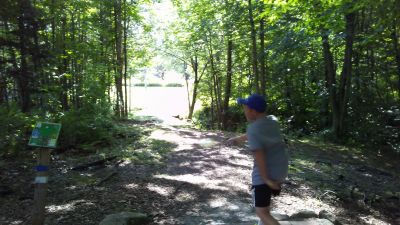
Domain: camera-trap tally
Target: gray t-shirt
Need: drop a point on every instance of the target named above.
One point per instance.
(265, 134)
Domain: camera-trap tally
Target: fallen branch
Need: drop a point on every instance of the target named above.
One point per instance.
(96, 163)
(5, 190)
(116, 165)
(107, 178)
(111, 174)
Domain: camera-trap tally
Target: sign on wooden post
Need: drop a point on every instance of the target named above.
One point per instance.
(44, 136)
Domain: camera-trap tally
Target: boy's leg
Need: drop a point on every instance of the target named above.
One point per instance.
(265, 216)
(262, 199)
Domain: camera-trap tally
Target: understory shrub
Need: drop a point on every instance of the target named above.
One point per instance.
(88, 125)
(14, 130)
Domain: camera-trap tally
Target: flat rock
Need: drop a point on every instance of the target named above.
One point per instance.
(305, 214)
(279, 216)
(323, 214)
(307, 222)
(125, 218)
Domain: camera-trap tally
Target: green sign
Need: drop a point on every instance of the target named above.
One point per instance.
(45, 135)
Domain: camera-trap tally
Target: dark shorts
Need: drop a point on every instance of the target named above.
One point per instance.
(262, 195)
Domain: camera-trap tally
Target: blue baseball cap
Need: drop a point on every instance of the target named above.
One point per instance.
(254, 101)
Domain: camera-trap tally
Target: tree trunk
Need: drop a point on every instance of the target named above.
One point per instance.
(195, 67)
(395, 40)
(345, 79)
(63, 68)
(215, 90)
(119, 58)
(197, 78)
(187, 92)
(23, 78)
(3, 91)
(325, 116)
(36, 78)
(262, 56)
(210, 83)
(216, 86)
(254, 49)
(330, 77)
(228, 85)
(74, 83)
(126, 25)
(13, 72)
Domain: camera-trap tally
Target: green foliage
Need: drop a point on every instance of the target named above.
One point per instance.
(154, 85)
(296, 82)
(202, 119)
(139, 85)
(148, 85)
(88, 126)
(173, 85)
(143, 150)
(376, 129)
(14, 130)
(65, 69)
(235, 117)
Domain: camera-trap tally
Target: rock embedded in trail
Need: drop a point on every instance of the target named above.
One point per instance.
(279, 216)
(304, 214)
(323, 214)
(126, 218)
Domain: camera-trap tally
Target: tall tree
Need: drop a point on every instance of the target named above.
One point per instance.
(254, 55)
(262, 51)
(119, 58)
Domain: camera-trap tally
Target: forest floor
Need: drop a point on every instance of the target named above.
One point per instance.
(179, 175)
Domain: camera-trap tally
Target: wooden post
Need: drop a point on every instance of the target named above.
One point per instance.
(41, 186)
(44, 136)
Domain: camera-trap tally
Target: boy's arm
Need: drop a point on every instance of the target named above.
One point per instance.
(261, 164)
(237, 140)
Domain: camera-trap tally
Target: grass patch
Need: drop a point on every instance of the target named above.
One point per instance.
(152, 152)
(134, 145)
(83, 179)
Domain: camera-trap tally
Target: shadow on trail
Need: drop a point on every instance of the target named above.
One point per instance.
(197, 185)
(340, 177)
(194, 203)
(204, 182)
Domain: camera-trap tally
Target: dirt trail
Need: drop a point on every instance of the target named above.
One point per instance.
(206, 182)
(212, 180)
(201, 182)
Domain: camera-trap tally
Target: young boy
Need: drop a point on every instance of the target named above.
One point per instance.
(270, 166)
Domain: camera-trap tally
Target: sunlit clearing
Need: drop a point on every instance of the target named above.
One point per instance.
(182, 141)
(164, 191)
(222, 202)
(184, 197)
(131, 186)
(207, 143)
(67, 207)
(200, 181)
(161, 102)
(73, 187)
(372, 220)
(288, 204)
(304, 141)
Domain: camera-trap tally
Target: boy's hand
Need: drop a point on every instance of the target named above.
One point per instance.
(273, 185)
(231, 141)
(236, 140)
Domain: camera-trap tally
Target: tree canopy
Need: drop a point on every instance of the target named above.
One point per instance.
(327, 68)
